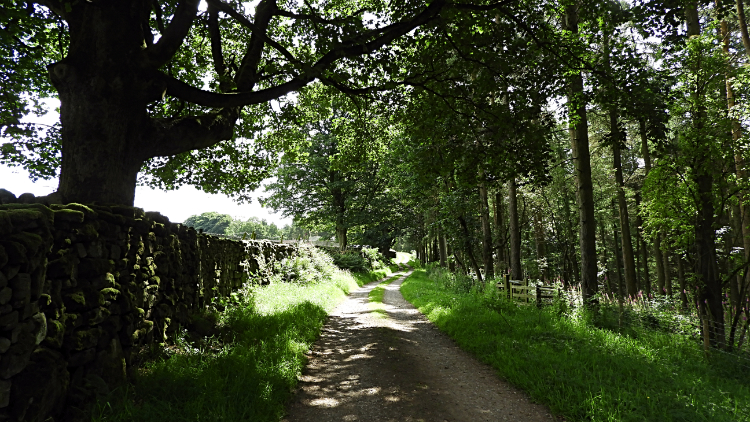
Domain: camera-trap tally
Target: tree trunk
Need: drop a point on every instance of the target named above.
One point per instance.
(339, 204)
(667, 273)
(627, 244)
(657, 238)
(582, 161)
(468, 248)
(710, 291)
(500, 245)
(541, 247)
(515, 232)
(683, 282)
(489, 265)
(610, 283)
(443, 248)
(341, 236)
(645, 284)
(101, 156)
(743, 26)
(738, 290)
(618, 256)
(105, 84)
(570, 253)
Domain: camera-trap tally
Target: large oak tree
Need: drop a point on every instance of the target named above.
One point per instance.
(160, 85)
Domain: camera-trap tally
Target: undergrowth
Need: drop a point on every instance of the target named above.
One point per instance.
(246, 370)
(581, 370)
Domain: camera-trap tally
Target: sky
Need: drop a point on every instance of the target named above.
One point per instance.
(176, 205)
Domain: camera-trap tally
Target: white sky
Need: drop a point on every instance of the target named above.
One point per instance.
(177, 205)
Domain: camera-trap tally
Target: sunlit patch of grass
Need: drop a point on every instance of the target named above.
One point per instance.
(369, 277)
(583, 372)
(247, 372)
(376, 296)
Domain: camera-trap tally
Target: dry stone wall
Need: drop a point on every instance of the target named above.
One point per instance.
(83, 288)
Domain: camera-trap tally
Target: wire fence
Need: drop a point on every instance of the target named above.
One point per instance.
(667, 314)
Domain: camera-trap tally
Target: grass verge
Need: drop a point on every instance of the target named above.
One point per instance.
(376, 296)
(586, 373)
(244, 373)
(369, 277)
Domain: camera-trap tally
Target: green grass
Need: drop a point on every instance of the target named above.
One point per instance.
(376, 296)
(245, 374)
(369, 277)
(585, 373)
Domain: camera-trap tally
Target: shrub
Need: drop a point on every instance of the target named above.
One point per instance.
(309, 265)
(366, 259)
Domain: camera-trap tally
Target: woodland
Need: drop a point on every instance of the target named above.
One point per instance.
(600, 145)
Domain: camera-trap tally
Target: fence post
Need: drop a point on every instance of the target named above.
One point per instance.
(538, 297)
(507, 286)
(526, 284)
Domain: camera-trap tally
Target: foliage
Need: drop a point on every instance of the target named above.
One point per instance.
(210, 222)
(361, 260)
(336, 181)
(215, 223)
(309, 265)
(254, 225)
(454, 282)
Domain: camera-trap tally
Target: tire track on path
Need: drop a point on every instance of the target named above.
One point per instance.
(366, 367)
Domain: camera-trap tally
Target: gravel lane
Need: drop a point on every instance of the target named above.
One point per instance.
(369, 367)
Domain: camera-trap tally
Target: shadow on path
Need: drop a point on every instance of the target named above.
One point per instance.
(366, 367)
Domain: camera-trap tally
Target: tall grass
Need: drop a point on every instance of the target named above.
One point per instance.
(247, 370)
(582, 371)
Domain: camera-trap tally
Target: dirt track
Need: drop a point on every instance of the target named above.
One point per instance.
(368, 367)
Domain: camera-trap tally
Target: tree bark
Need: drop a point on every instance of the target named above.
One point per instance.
(541, 247)
(515, 232)
(710, 291)
(659, 260)
(605, 261)
(105, 83)
(569, 239)
(582, 161)
(682, 281)
(743, 26)
(738, 289)
(500, 245)
(626, 240)
(443, 248)
(645, 284)
(339, 205)
(468, 248)
(489, 265)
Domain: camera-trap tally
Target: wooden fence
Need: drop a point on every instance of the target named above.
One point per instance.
(521, 291)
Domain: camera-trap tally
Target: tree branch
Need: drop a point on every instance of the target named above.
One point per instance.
(247, 77)
(175, 136)
(317, 19)
(229, 10)
(56, 6)
(466, 6)
(216, 53)
(161, 52)
(186, 92)
(159, 17)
